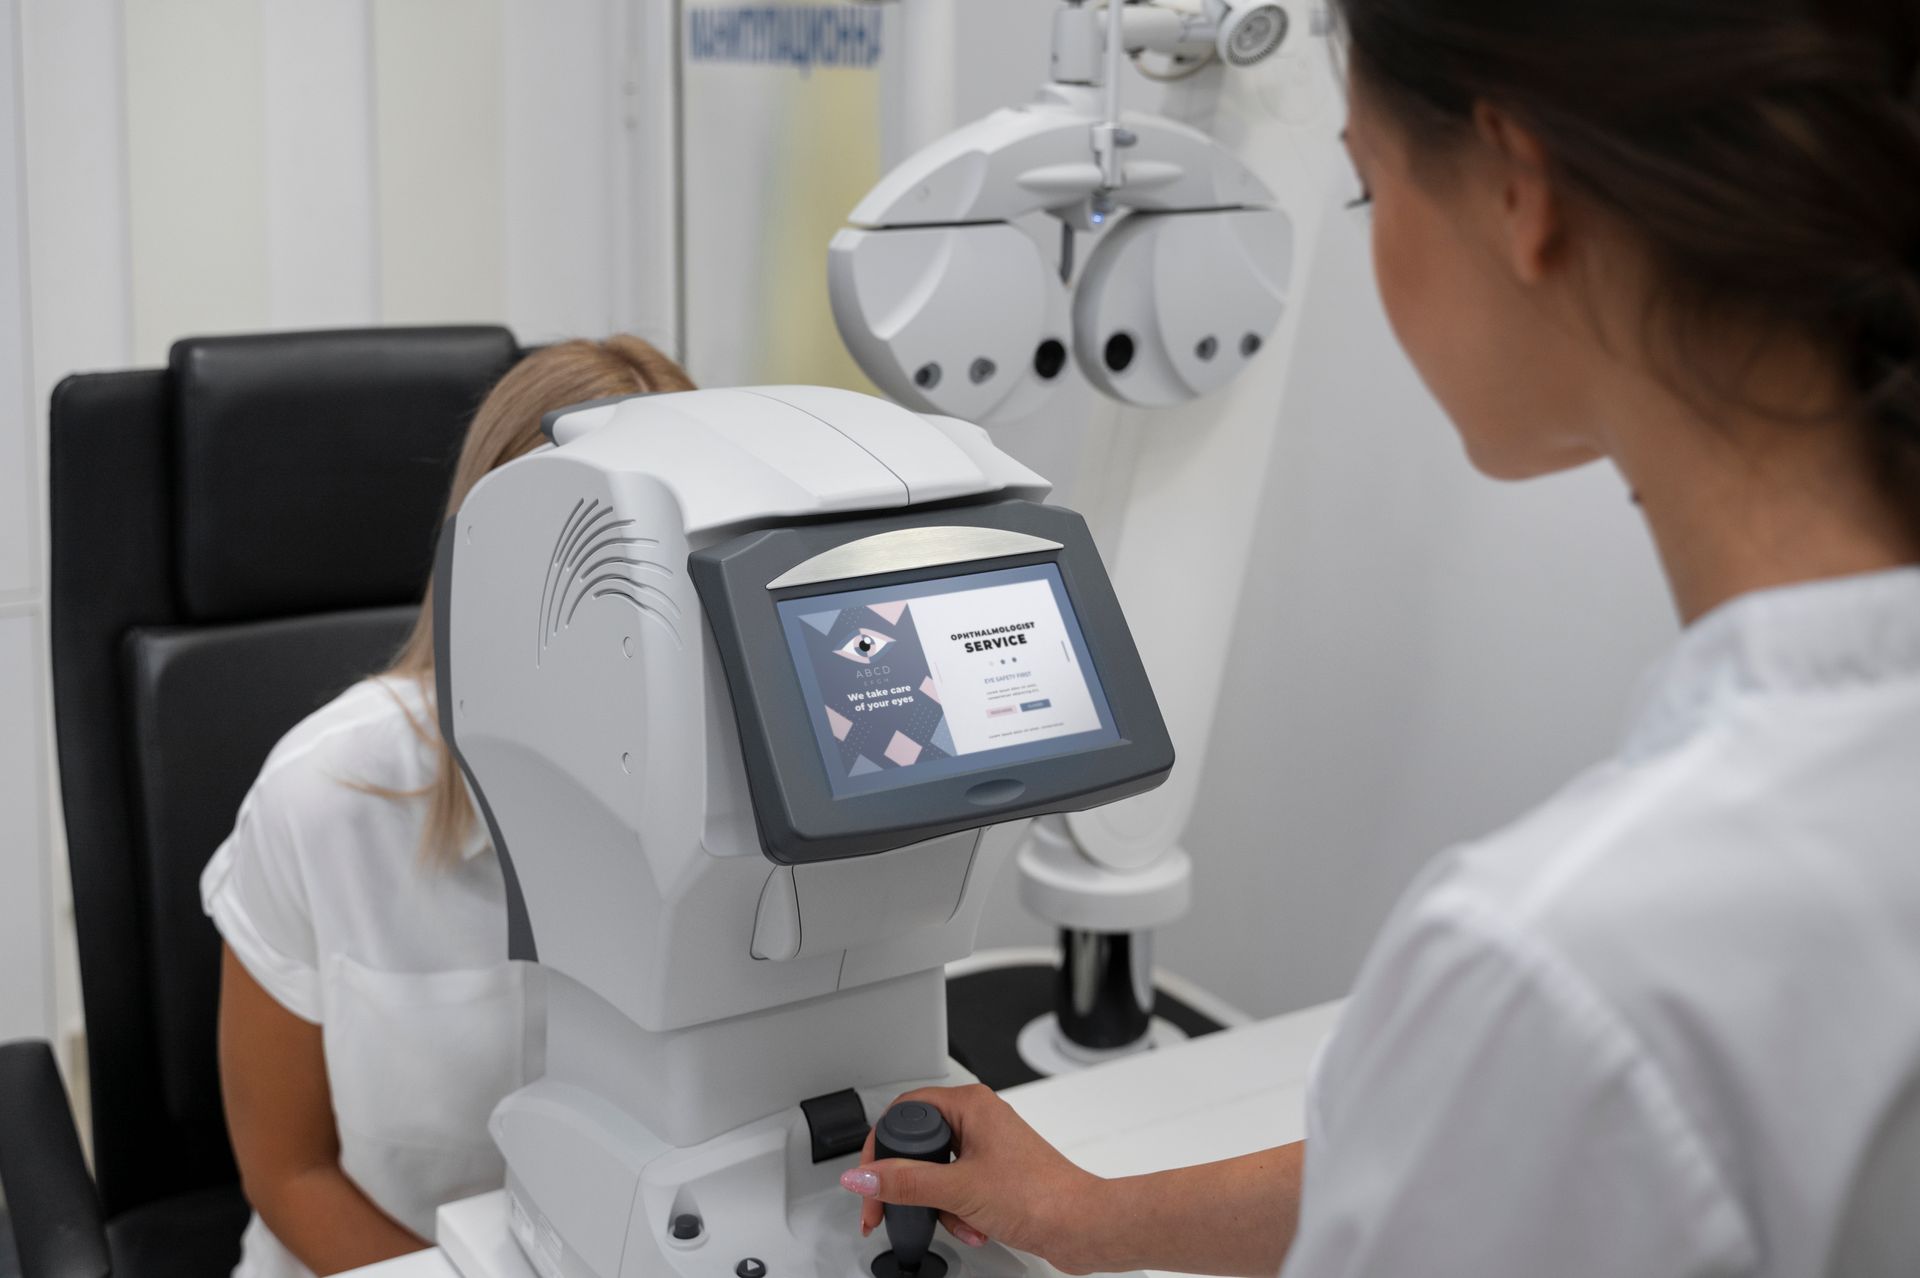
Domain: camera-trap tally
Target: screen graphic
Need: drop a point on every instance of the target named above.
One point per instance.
(934, 678)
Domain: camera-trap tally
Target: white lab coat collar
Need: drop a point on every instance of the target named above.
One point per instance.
(1825, 635)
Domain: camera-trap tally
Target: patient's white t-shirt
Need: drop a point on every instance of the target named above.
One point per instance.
(321, 893)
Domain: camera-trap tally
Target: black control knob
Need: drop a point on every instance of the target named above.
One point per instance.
(911, 1129)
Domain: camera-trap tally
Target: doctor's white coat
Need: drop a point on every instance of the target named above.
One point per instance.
(1668, 1025)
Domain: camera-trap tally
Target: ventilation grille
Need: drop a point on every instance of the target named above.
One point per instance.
(594, 557)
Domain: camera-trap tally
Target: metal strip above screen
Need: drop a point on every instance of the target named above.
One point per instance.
(907, 549)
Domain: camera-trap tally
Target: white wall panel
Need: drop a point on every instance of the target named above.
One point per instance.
(196, 169)
(73, 121)
(323, 265)
(25, 988)
(1421, 655)
(19, 470)
(774, 157)
(563, 144)
(26, 914)
(440, 174)
(73, 76)
(647, 257)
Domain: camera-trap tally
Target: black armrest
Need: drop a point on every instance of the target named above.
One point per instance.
(50, 1196)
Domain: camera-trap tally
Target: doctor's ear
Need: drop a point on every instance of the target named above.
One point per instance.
(1529, 217)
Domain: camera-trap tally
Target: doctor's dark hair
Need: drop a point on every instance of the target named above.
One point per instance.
(1765, 152)
(507, 426)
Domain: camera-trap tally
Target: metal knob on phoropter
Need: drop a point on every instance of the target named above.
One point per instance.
(911, 1129)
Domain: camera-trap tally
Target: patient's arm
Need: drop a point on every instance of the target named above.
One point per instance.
(280, 1114)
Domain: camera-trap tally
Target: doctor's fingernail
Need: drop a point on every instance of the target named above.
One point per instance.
(861, 1181)
(970, 1236)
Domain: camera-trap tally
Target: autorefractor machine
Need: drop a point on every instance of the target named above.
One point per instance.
(756, 691)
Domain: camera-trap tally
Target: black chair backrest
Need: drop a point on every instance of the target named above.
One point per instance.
(235, 539)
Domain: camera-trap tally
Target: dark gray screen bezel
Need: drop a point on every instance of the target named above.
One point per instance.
(799, 817)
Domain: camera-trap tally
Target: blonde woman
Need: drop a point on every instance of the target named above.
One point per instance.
(369, 1020)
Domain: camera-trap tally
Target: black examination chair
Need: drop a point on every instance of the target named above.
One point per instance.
(235, 538)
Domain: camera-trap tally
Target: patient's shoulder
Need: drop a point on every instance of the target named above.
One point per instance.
(377, 735)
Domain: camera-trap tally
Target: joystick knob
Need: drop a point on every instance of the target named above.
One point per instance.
(911, 1129)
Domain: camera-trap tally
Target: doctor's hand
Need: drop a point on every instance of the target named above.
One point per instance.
(1006, 1183)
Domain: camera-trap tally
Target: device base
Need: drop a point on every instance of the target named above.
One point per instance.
(1045, 1048)
(887, 1265)
(987, 1008)
(475, 1236)
(592, 1194)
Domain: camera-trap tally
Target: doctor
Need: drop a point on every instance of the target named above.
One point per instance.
(1669, 1024)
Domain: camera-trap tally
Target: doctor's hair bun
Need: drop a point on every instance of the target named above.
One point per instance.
(1765, 152)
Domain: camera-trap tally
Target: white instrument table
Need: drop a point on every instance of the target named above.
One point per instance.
(1230, 1093)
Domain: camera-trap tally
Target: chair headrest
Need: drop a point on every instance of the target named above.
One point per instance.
(312, 468)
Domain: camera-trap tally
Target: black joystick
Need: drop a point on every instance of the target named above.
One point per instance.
(911, 1129)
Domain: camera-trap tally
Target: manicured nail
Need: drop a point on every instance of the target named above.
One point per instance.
(860, 1180)
(970, 1236)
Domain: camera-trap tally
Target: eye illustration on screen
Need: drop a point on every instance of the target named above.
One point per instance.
(864, 646)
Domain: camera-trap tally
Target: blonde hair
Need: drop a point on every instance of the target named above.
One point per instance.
(507, 427)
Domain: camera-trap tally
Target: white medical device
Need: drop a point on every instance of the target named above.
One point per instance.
(756, 690)
(950, 306)
(950, 302)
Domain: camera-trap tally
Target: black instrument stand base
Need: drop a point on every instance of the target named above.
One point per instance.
(986, 1010)
(887, 1265)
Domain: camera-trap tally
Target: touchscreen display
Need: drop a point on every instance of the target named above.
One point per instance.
(935, 678)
